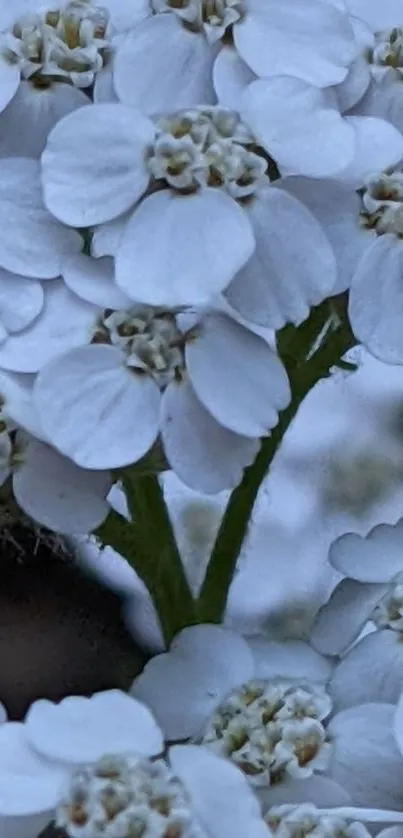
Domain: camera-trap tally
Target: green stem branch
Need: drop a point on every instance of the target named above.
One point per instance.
(148, 544)
(303, 375)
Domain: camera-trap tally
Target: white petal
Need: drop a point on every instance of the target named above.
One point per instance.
(64, 322)
(293, 39)
(376, 558)
(95, 410)
(341, 620)
(183, 686)
(106, 238)
(220, 794)
(27, 121)
(81, 730)
(29, 784)
(161, 66)
(104, 91)
(378, 145)
(9, 81)
(32, 243)
(378, 16)
(350, 91)
(236, 376)
(376, 299)
(321, 791)
(126, 13)
(213, 458)
(200, 241)
(371, 671)
(231, 76)
(16, 393)
(21, 300)
(336, 207)
(384, 99)
(365, 759)
(94, 280)
(293, 266)
(78, 187)
(57, 494)
(299, 126)
(288, 659)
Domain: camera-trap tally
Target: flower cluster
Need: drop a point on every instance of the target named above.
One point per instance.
(177, 178)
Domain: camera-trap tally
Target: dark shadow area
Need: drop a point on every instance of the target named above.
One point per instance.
(61, 632)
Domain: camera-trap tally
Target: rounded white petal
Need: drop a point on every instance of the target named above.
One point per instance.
(27, 121)
(79, 188)
(378, 16)
(200, 241)
(64, 322)
(82, 730)
(288, 659)
(236, 376)
(378, 145)
(299, 126)
(376, 303)
(231, 76)
(220, 794)
(293, 39)
(213, 457)
(336, 207)
(96, 410)
(183, 686)
(9, 81)
(293, 266)
(161, 66)
(321, 791)
(371, 671)
(32, 243)
(375, 558)
(21, 300)
(365, 758)
(340, 621)
(29, 784)
(58, 494)
(94, 280)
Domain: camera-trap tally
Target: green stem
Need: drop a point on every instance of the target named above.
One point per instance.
(303, 376)
(148, 544)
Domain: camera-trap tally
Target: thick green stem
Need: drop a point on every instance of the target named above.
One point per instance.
(148, 544)
(303, 375)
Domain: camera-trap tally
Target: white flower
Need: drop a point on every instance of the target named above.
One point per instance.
(103, 405)
(210, 208)
(177, 72)
(46, 58)
(112, 742)
(371, 669)
(189, 794)
(248, 701)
